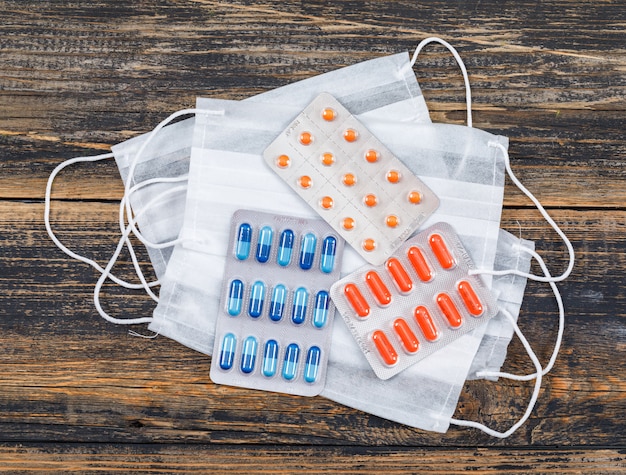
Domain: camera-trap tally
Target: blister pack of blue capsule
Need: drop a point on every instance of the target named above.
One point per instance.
(274, 329)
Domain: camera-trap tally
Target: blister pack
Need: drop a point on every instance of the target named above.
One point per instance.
(275, 323)
(351, 179)
(421, 299)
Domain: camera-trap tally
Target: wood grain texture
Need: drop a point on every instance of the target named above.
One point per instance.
(79, 394)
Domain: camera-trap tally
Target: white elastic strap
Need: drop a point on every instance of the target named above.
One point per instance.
(56, 240)
(107, 270)
(550, 221)
(147, 243)
(533, 398)
(559, 338)
(468, 92)
(131, 172)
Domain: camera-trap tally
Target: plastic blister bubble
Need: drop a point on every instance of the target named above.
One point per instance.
(419, 300)
(351, 179)
(275, 323)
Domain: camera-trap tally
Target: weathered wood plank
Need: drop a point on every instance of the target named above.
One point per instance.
(163, 458)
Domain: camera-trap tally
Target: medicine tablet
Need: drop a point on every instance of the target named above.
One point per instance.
(351, 179)
(419, 300)
(274, 327)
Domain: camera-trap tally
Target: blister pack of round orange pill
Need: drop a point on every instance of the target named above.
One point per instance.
(351, 179)
(421, 299)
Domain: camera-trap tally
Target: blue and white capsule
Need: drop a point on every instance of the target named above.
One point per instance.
(264, 245)
(277, 303)
(227, 352)
(257, 298)
(320, 311)
(270, 358)
(285, 248)
(300, 302)
(329, 249)
(307, 251)
(248, 355)
(290, 364)
(235, 298)
(312, 364)
(244, 237)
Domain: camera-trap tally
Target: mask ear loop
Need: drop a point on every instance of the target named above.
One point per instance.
(533, 398)
(559, 338)
(547, 217)
(457, 57)
(106, 272)
(130, 179)
(136, 265)
(539, 371)
(125, 207)
(66, 250)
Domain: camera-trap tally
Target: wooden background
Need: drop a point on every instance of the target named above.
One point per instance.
(80, 394)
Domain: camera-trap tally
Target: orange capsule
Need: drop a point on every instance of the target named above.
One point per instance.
(329, 114)
(306, 138)
(426, 323)
(393, 176)
(370, 200)
(419, 263)
(372, 156)
(327, 202)
(399, 275)
(350, 135)
(449, 310)
(415, 197)
(283, 161)
(328, 159)
(438, 245)
(378, 288)
(356, 300)
(385, 349)
(305, 181)
(348, 223)
(470, 299)
(348, 179)
(369, 244)
(407, 337)
(392, 221)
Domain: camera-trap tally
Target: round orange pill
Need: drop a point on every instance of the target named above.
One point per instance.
(369, 244)
(392, 221)
(349, 179)
(370, 200)
(348, 223)
(305, 181)
(306, 138)
(415, 197)
(329, 114)
(283, 161)
(328, 159)
(326, 202)
(371, 156)
(393, 176)
(350, 135)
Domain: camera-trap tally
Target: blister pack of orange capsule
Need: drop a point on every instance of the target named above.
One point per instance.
(420, 300)
(351, 179)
